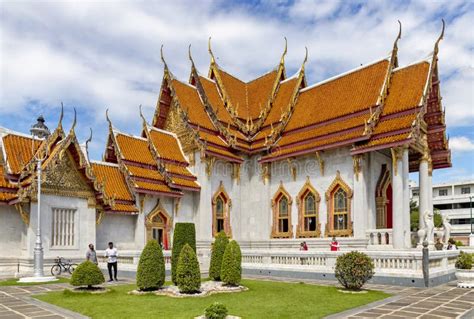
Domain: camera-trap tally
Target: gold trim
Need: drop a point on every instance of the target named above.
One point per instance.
(300, 232)
(357, 164)
(281, 191)
(329, 231)
(221, 192)
(320, 162)
(236, 172)
(99, 216)
(25, 216)
(397, 155)
(150, 224)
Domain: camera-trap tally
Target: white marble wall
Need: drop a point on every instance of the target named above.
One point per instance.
(84, 232)
(12, 232)
(119, 229)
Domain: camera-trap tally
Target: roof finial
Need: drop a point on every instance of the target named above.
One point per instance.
(162, 57)
(305, 59)
(60, 122)
(394, 57)
(436, 48)
(107, 118)
(189, 53)
(213, 60)
(141, 115)
(74, 121)
(87, 143)
(282, 60)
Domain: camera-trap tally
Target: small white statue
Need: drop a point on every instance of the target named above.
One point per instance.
(427, 232)
(447, 229)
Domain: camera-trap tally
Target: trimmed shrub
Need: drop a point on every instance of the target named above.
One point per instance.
(151, 267)
(216, 311)
(184, 233)
(188, 274)
(87, 274)
(354, 269)
(218, 250)
(464, 261)
(231, 272)
(458, 243)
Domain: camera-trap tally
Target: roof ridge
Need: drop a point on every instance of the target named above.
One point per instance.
(6, 131)
(128, 135)
(427, 60)
(341, 75)
(162, 131)
(104, 163)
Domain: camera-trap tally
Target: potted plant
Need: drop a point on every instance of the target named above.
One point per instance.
(464, 271)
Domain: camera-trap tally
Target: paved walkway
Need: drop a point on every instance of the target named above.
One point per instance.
(445, 301)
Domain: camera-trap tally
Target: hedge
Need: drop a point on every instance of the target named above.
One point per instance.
(188, 274)
(218, 249)
(151, 267)
(184, 233)
(354, 269)
(216, 311)
(231, 272)
(87, 274)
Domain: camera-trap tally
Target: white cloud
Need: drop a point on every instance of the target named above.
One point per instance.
(106, 54)
(461, 144)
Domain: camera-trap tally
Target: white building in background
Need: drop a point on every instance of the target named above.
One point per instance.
(455, 200)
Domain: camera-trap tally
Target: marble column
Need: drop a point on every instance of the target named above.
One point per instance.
(360, 211)
(425, 190)
(406, 199)
(398, 196)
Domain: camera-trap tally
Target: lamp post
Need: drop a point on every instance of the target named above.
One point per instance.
(40, 131)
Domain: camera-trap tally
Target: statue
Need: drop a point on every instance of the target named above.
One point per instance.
(446, 228)
(427, 232)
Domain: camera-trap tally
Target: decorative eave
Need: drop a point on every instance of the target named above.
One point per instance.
(374, 117)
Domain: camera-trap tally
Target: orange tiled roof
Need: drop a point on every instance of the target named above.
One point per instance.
(177, 169)
(125, 208)
(185, 182)
(212, 93)
(113, 180)
(406, 88)
(5, 197)
(282, 100)
(190, 101)
(4, 182)
(355, 91)
(154, 187)
(167, 145)
(224, 153)
(386, 140)
(19, 151)
(135, 149)
(143, 172)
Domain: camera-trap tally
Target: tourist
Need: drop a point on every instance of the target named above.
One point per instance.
(305, 246)
(111, 254)
(452, 244)
(439, 245)
(91, 254)
(334, 244)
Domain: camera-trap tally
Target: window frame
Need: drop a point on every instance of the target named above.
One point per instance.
(74, 229)
(338, 183)
(221, 194)
(275, 202)
(306, 190)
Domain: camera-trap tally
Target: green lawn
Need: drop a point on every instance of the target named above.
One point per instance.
(264, 299)
(14, 282)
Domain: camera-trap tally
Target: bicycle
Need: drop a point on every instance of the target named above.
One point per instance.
(61, 266)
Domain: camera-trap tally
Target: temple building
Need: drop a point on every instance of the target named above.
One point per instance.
(271, 162)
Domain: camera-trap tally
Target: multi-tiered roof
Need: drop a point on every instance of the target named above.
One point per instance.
(376, 106)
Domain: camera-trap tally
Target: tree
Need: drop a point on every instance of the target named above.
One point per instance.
(218, 250)
(151, 267)
(184, 233)
(87, 274)
(188, 274)
(231, 272)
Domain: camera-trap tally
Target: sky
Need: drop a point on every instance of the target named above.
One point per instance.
(98, 55)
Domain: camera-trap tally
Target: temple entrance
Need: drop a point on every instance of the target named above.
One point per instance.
(157, 226)
(383, 199)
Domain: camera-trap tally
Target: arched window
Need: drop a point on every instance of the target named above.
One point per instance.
(281, 205)
(158, 224)
(308, 212)
(221, 205)
(338, 199)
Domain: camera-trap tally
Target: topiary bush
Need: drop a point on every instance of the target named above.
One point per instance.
(184, 233)
(87, 274)
(216, 311)
(464, 261)
(188, 274)
(218, 249)
(354, 269)
(151, 267)
(231, 272)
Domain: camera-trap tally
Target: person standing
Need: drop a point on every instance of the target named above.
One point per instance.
(334, 244)
(91, 255)
(111, 254)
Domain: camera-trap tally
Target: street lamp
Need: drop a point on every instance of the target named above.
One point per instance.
(41, 132)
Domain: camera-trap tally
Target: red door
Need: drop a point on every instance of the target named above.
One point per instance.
(389, 206)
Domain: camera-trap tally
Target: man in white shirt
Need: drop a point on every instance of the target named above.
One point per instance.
(111, 254)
